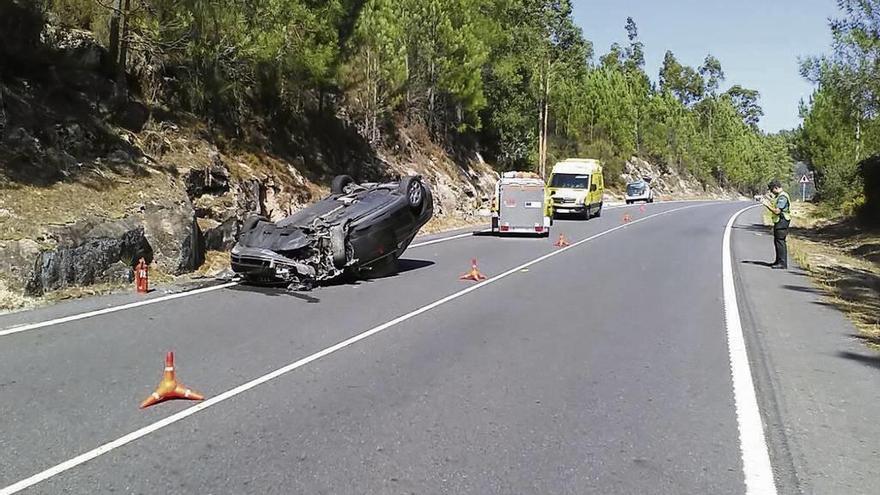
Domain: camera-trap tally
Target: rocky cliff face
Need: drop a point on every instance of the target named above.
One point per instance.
(91, 179)
(669, 185)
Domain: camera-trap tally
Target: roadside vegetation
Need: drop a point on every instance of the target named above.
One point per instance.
(840, 135)
(837, 240)
(844, 259)
(515, 79)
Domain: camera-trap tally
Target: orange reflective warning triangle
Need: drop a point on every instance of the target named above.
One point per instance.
(169, 388)
(561, 242)
(474, 274)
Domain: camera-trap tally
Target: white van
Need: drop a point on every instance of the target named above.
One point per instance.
(519, 204)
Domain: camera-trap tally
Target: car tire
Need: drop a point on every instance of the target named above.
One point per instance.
(340, 182)
(414, 191)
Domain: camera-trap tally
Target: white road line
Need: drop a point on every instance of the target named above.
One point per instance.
(146, 302)
(174, 418)
(757, 469)
(443, 239)
(112, 309)
(470, 234)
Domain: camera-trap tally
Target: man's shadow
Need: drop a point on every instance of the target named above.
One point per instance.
(756, 262)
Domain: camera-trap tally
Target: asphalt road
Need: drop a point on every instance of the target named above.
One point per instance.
(600, 369)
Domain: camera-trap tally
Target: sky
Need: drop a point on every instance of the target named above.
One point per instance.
(758, 42)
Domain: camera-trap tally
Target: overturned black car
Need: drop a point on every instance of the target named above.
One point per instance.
(360, 229)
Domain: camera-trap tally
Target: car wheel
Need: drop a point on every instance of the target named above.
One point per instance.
(414, 190)
(340, 182)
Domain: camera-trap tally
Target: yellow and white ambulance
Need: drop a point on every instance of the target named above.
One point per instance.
(576, 187)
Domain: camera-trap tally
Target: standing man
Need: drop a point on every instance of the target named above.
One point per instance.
(780, 214)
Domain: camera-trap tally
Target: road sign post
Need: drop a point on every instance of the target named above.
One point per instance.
(804, 180)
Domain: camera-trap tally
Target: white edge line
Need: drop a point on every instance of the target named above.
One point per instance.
(80, 316)
(113, 309)
(757, 470)
(174, 418)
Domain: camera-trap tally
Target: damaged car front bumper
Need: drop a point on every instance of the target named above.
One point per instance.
(268, 266)
(317, 253)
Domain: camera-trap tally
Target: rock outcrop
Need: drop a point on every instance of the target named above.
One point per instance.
(89, 252)
(172, 231)
(668, 184)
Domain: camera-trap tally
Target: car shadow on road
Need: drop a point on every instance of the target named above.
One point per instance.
(407, 265)
(275, 291)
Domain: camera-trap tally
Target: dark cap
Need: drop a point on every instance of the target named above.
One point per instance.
(774, 184)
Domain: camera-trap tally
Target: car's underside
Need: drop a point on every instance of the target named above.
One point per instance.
(316, 244)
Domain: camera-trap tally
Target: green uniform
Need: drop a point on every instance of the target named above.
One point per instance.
(781, 222)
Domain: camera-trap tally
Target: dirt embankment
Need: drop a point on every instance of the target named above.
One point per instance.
(92, 178)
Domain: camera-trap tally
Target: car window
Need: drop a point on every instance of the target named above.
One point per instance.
(571, 181)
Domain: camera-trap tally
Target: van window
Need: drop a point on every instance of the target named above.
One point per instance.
(570, 181)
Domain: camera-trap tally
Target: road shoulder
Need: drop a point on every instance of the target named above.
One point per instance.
(816, 382)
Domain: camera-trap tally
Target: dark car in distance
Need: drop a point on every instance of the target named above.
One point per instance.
(361, 229)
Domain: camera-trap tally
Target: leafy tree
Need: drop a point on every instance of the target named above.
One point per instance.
(375, 71)
(841, 120)
(682, 81)
(746, 103)
(712, 75)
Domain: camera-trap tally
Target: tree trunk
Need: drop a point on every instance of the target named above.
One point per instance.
(431, 122)
(858, 140)
(123, 45)
(115, 31)
(544, 116)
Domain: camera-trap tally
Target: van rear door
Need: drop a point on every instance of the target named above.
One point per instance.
(521, 208)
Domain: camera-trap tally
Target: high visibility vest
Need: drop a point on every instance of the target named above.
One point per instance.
(786, 212)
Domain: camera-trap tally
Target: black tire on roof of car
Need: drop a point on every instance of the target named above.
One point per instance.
(339, 183)
(407, 186)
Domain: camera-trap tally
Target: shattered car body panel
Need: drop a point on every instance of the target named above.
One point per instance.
(358, 228)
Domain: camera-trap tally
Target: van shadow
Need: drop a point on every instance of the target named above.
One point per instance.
(509, 235)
